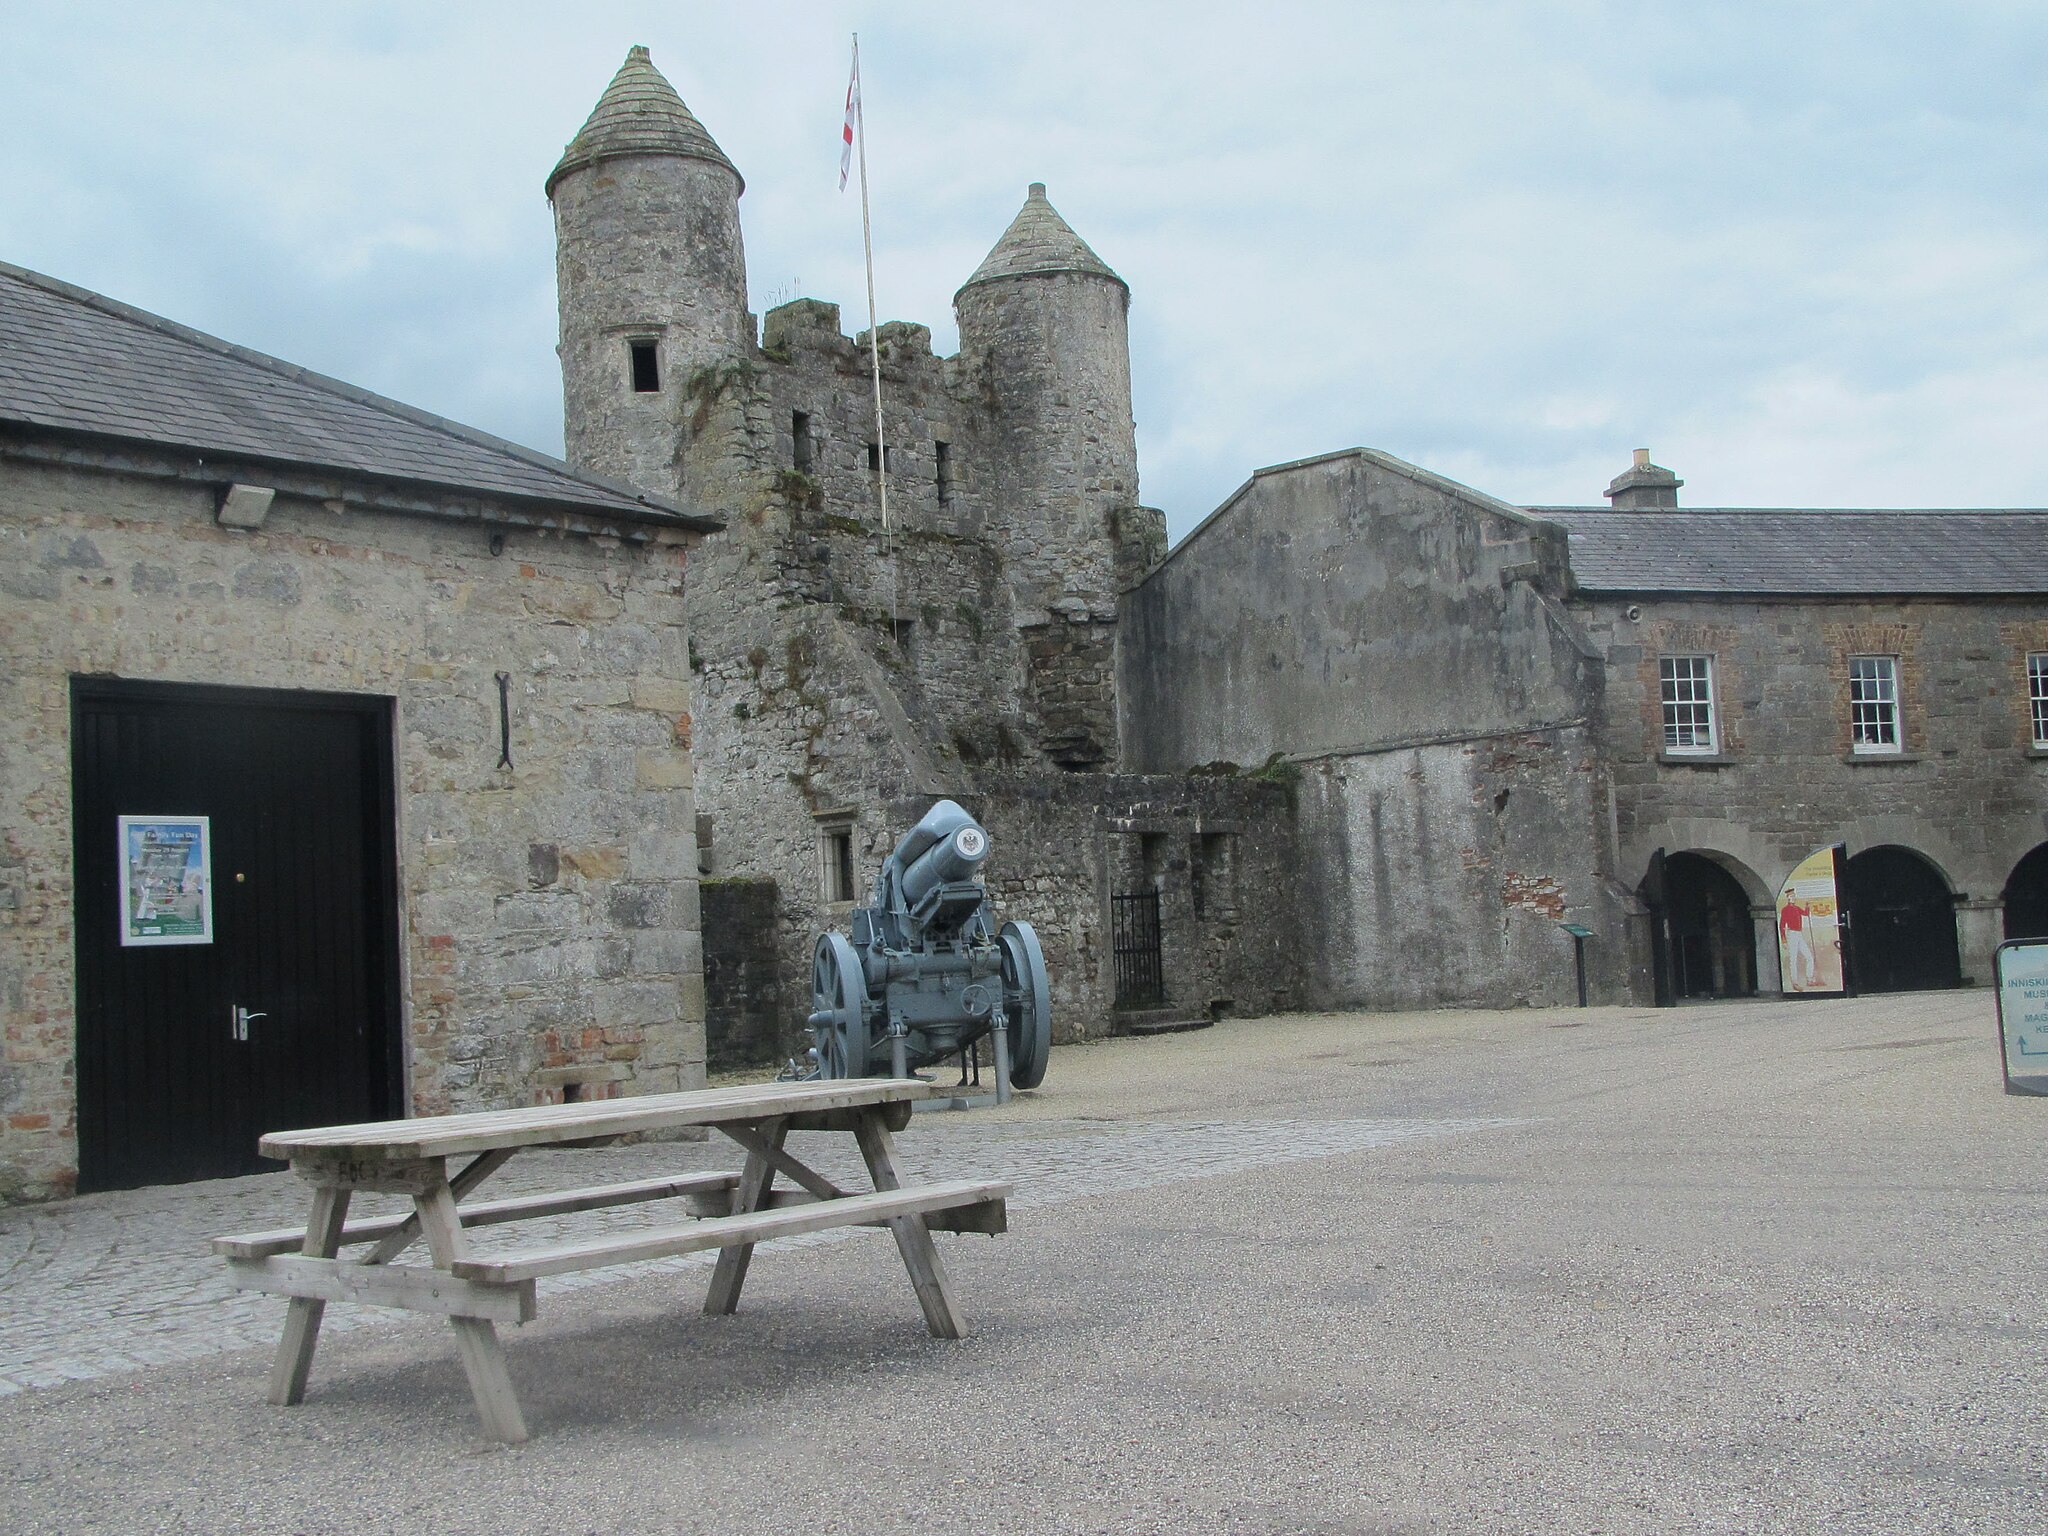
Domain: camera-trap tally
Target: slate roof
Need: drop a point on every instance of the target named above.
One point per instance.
(639, 114)
(76, 362)
(1039, 240)
(1786, 552)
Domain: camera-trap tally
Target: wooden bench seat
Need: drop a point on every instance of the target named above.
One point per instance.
(709, 1194)
(730, 1231)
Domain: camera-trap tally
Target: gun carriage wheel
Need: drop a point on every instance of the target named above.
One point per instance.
(1027, 1002)
(839, 1008)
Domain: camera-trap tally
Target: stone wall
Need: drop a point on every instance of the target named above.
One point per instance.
(1402, 641)
(549, 911)
(1441, 874)
(1224, 865)
(1349, 602)
(1968, 792)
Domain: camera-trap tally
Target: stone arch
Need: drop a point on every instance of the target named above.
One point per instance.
(1902, 921)
(1705, 940)
(2026, 896)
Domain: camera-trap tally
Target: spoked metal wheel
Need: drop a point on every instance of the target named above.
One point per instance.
(1028, 1004)
(839, 1012)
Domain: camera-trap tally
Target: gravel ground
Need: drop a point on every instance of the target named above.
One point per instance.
(1749, 1267)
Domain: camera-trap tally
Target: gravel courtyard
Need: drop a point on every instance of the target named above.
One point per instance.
(1744, 1267)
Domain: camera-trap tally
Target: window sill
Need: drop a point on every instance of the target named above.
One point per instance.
(2039, 753)
(1697, 759)
(1858, 759)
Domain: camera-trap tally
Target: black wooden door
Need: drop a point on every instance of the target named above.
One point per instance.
(297, 789)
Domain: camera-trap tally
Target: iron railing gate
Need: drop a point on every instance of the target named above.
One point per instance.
(1135, 926)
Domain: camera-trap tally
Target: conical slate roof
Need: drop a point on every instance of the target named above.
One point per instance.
(639, 114)
(1039, 240)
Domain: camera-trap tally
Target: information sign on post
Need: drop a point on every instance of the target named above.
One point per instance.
(2022, 969)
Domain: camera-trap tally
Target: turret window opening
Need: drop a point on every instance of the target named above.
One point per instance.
(875, 456)
(646, 367)
(800, 441)
(942, 457)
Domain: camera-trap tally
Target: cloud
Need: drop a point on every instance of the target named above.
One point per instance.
(1799, 251)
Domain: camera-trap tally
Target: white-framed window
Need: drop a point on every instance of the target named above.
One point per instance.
(1873, 704)
(2037, 695)
(1687, 685)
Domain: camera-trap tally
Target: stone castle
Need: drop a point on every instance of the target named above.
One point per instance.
(844, 665)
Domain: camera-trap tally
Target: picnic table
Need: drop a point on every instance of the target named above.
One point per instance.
(730, 1212)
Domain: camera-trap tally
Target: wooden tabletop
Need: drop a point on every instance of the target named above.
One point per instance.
(549, 1124)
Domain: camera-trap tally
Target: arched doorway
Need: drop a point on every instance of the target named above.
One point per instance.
(1707, 927)
(1902, 922)
(2026, 897)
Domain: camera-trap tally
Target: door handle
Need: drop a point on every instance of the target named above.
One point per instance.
(239, 1020)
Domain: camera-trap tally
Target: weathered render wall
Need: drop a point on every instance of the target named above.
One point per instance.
(550, 922)
(1440, 874)
(1401, 639)
(1968, 791)
(1349, 602)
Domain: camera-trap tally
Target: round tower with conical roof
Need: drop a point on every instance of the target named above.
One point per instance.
(651, 277)
(1043, 335)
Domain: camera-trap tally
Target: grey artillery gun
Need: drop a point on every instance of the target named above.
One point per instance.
(924, 973)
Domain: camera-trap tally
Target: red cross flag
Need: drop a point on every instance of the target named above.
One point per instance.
(852, 111)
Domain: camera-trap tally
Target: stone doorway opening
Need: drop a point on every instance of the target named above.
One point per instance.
(2026, 897)
(1902, 922)
(1709, 934)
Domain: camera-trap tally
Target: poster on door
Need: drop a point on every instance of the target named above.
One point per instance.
(1810, 926)
(166, 880)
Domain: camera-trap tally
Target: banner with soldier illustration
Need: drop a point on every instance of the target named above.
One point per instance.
(1810, 925)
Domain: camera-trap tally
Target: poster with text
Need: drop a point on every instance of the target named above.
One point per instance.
(1810, 926)
(166, 880)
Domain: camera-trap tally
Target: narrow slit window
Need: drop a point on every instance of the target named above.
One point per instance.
(646, 368)
(942, 458)
(837, 851)
(800, 440)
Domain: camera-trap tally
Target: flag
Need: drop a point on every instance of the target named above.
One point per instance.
(852, 111)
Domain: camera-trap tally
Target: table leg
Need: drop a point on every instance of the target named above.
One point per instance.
(756, 1179)
(302, 1316)
(913, 1237)
(462, 1184)
(483, 1357)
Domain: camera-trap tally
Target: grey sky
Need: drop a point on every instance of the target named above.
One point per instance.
(1800, 251)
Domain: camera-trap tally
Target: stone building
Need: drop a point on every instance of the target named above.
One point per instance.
(1636, 719)
(431, 692)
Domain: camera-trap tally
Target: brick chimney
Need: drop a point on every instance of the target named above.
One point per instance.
(1644, 484)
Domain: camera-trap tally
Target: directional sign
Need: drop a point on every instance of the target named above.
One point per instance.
(2022, 968)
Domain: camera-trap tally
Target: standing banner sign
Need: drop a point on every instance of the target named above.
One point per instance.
(2022, 970)
(1810, 926)
(166, 879)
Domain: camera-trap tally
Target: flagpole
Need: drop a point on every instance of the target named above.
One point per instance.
(867, 241)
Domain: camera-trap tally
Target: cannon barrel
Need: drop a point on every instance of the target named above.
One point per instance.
(948, 862)
(941, 821)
